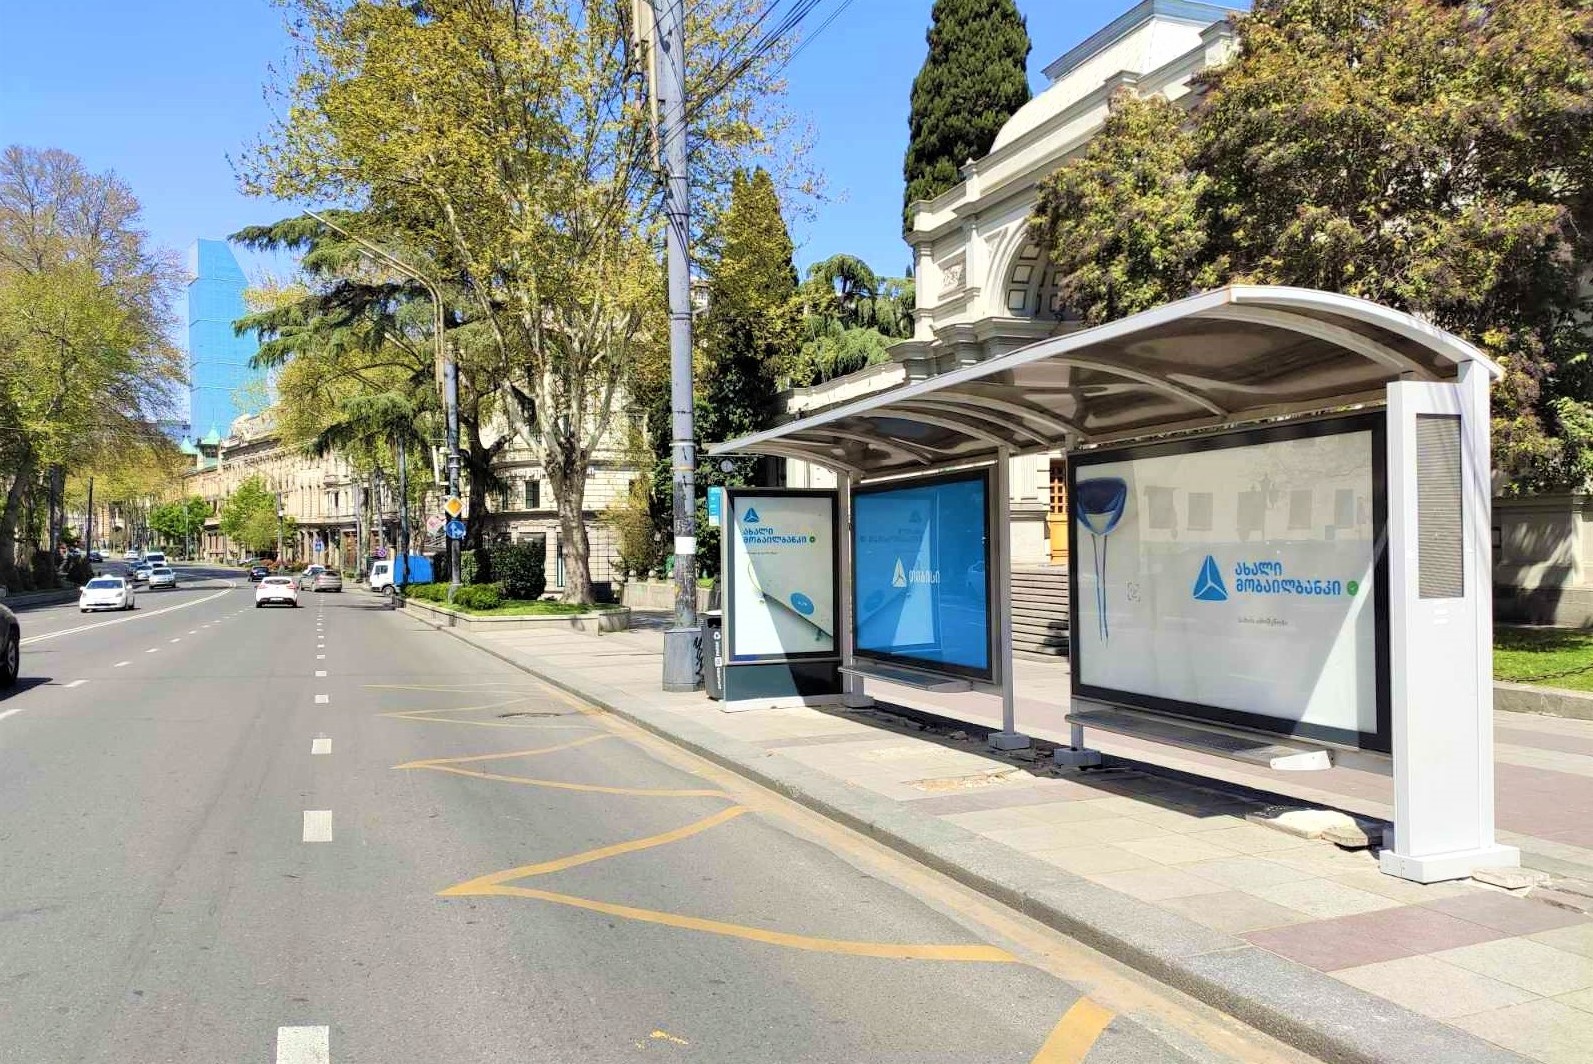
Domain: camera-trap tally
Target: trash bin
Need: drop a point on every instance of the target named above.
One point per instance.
(713, 624)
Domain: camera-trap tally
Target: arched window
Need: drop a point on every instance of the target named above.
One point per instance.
(1031, 288)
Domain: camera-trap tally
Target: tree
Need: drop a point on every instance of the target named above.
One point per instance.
(85, 365)
(849, 317)
(972, 81)
(1124, 224)
(508, 143)
(249, 515)
(180, 519)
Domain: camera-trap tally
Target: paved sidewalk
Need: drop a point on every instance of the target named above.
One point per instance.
(1299, 937)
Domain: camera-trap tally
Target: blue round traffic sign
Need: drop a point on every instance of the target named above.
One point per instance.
(455, 528)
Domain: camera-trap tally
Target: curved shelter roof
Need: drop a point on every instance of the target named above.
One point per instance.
(1232, 355)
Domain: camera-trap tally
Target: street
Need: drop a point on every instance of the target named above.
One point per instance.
(237, 834)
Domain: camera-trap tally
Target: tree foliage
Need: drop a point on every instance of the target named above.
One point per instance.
(178, 519)
(508, 143)
(973, 79)
(848, 319)
(1432, 156)
(248, 517)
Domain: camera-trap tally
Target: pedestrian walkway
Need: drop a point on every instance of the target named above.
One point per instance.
(1183, 862)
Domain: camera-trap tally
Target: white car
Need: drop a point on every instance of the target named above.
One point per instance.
(162, 576)
(276, 589)
(106, 593)
(130, 556)
(155, 558)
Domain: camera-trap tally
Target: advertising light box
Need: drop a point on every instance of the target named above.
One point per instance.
(1237, 579)
(781, 575)
(921, 581)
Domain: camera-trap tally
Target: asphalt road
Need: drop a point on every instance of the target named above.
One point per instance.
(230, 834)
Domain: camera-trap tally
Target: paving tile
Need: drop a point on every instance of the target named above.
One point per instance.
(1176, 849)
(987, 820)
(1403, 890)
(1321, 898)
(1578, 999)
(1112, 830)
(1156, 884)
(1249, 838)
(1371, 937)
(1546, 1031)
(1037, 837)
(1232, 911)
(1504, 912)
(1522, 962)
(1094, 859)
(1578, 938)
(1070, 812)
(1431, 987)
(1246, 871)
(1323, 859)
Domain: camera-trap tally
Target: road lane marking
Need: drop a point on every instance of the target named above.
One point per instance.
(193, 631)
(320, 657)
(153, 650)
(560, 785)
(1074, 1034)
(119, 664)
(140, 615)
(432, 762)
(77, 683)
(322, 700)
(179, 639)
(304, 1045)
(318, 825)
(321, 744)
(320, 672)
(12, 712)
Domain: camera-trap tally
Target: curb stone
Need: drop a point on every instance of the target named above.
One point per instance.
(1300, 1006)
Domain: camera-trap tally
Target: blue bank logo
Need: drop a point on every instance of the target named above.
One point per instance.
(1208, 585)
(750, 517)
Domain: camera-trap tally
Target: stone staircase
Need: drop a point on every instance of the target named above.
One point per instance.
(1040, 610)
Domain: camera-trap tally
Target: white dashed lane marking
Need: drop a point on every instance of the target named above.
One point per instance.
(304, 1045)
(322, 700)
(119, 664)
(77, 683)
(318, 825)
(153, 650)
(321, 744)
(320, 672)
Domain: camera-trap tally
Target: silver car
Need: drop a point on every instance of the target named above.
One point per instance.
(327, 580)
(162, 576)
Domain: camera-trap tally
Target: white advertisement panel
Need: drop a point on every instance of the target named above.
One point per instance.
(780, 575)
(1234, 578)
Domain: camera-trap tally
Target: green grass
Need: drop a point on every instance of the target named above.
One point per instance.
(1549, 657)
(534, 609)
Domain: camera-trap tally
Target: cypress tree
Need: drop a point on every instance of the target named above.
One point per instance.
(973, 79)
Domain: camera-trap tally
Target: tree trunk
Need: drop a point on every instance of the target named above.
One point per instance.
(9, 518)
(567, 478)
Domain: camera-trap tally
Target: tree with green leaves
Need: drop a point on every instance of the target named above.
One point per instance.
(508, 143)
(848, 319)
(180, 520)
(1124, 223)
(248, 516)
(973, 79)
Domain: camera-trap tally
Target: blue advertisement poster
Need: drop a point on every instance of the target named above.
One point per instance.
(921, 580)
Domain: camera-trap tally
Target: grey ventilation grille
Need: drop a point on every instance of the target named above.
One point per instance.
(1440, 563)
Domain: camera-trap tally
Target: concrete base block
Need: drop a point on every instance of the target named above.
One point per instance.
(1444, 866)
(857, 701)
(1009, 740)
(1068, 757)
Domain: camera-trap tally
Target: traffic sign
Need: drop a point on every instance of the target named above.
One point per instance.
(433, 526)
(455, 528)
(716, 506)
(454, 506)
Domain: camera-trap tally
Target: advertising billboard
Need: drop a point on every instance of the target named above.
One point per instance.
(780, 575)
(1237, 579)
(921, 575)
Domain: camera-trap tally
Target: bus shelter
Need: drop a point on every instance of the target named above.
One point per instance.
(1280, 509)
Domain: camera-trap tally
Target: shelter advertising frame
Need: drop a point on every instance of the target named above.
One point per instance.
(1380, 738)
(763, 677)
(983, 475)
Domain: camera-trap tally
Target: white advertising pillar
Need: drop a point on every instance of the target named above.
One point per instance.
(1441, 630)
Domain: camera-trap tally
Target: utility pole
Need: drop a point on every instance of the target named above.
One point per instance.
(682, 643)
(88, 534)
(401, 564)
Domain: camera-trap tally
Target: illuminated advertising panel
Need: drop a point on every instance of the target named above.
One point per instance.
(921, 573)
(1237, 579)
(781, 574)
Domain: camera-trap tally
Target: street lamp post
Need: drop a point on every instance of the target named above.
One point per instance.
(447, 369)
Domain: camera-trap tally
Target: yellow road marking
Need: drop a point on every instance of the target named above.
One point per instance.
(1074, 1034)
(430, 715)
(886, 950)
(591, 788)
(487, 884)
(665, 1036)
(431, 761)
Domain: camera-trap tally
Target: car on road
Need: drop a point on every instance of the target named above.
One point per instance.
(96, 556)
(280, 589)
(10, 647)
(130, 556)
(141, 572)
(258, 573)
(328, 580)
(106, 593)
(307, 578)
(155, 557)
(162, 576)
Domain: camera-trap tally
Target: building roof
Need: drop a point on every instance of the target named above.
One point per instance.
(212, 438)
(1243, 353)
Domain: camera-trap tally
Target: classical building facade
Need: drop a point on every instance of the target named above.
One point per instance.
(983, 287)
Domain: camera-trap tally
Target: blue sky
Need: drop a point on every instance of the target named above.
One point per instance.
(164, 91)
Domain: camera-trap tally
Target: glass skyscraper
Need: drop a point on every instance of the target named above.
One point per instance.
(218, 360)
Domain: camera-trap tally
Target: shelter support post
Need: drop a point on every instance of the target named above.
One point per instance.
(853, 696)
(1000, 570)
(1441, 630)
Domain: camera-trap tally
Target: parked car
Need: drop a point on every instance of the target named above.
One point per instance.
(258, 573)
(307, 578)
(162, 576)
(106, 593)
(141, 572)
(10, 647)
(328, 580)
(280, 589)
